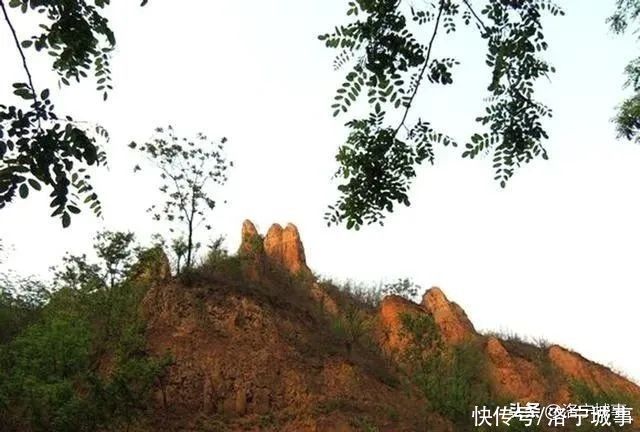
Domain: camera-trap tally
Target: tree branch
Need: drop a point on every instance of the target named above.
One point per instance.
(24, 59)
(475, 15)
(424, 69)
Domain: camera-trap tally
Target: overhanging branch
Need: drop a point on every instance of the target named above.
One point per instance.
(425, 66)
(22, 56)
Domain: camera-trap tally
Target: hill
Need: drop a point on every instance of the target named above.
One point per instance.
(254, 341)
(259, 343)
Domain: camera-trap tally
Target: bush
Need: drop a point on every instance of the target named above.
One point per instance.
(582, 393)
(453, 379)
(402, 287)
(351, 326)
(354, 293)
(51, 377)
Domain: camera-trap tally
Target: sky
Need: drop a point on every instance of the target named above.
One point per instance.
(552, 256)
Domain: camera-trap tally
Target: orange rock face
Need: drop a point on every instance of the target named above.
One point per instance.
(280, 246)
(251, 242)
(515, 372)
(513, 376)
(320, 295)
(454, 325)
(284, 247)
(391, 310)
(577, 367)
(242, 358)
(153, 269)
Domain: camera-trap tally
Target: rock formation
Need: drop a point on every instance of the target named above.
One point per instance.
(518, 374)
(251, 241)
(577, 367)
(513, 376)
(393, 337)
(281, 247)
(454, 325)
(264, 355)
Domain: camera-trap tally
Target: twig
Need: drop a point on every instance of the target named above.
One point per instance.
(424, 69)
(24, 59)
(475, 15)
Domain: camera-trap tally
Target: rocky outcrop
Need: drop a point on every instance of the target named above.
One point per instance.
(450, 318)
(281, 246)
(452, 322)
(597, 376)
(262, 352)
(251, 241)
(152, 268)
(392, 334)
(250, 362)
(513, 376)
(517, 370)
(322, 297)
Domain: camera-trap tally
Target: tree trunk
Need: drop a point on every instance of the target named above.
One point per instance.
(189, 245)
(190, 241)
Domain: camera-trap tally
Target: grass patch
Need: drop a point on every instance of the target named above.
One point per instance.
(536, 351)
(582, 393)
(453, 379)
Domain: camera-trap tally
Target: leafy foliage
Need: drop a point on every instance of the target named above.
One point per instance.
(378, 161)
(20, 300)
(351, 326)
(116, 252)
(452, 378)
(115, 249)
(627, 118)
(39, 146)
(583, 393)
(188, 169)
(52, 371)
(402, 287)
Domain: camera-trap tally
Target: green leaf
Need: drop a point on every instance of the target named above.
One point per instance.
(23, 190)
(34, 184)
(66, 220)
(23, 93)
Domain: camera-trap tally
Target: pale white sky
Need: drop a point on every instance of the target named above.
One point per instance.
(554, 255)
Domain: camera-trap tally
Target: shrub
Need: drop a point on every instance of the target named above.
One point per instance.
(453, 379)
(402, 287)
(583, 393)
(351, 326)
(51, 377)
(350, 292)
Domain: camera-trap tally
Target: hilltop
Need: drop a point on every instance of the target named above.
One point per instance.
(257, 342)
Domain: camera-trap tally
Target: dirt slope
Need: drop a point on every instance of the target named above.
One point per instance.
(254, 347)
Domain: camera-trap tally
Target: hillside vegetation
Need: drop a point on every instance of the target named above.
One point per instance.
(255, 341)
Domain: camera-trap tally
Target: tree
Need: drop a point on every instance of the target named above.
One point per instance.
(38, 145)
(179, 249)
(402, 287)
(188, 169)
(389, 65)
(627, 118)
(21, 298)
(116, 251)
(52, 354)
